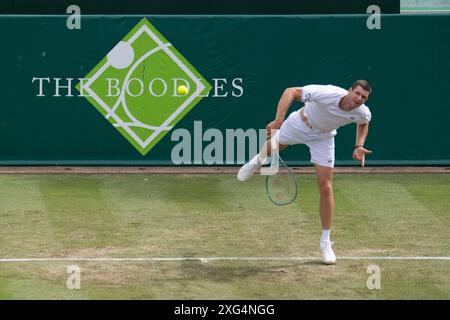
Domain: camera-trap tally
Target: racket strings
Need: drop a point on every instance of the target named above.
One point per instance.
(282, 186)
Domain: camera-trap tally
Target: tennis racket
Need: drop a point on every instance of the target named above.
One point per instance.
(281, 185)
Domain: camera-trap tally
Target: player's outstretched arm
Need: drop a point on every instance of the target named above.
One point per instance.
(359, 153)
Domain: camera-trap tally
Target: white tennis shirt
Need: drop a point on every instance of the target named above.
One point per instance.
(322, 108)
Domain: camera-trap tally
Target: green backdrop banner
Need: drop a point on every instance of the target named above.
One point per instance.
(236, 68)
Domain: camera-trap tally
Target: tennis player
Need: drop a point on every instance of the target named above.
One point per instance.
(326, 108)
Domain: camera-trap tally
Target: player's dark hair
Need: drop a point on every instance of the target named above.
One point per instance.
(363, 84)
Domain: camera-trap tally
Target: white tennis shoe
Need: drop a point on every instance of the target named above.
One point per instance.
(248, 169)
(327, 252)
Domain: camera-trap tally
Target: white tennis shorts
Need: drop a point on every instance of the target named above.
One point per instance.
(321, 144)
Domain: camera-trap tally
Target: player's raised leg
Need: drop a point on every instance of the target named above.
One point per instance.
(325, 185)
(257, 161)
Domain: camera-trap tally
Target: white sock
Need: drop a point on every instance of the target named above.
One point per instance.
(325, 236)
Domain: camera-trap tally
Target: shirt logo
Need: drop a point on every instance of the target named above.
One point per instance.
(307, 97)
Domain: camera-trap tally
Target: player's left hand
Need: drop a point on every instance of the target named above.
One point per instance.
(360, 154)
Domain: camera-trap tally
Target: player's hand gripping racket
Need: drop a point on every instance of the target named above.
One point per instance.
(281, 185)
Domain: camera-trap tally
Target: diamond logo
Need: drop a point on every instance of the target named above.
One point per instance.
(135, 86)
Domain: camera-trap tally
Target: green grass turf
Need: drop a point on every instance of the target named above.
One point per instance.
(215, 216)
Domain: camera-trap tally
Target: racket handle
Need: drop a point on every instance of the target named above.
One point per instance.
(273, 142)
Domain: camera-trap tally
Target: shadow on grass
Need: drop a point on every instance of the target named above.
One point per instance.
(215, 271)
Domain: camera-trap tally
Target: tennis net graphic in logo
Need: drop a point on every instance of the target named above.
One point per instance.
(135, 86)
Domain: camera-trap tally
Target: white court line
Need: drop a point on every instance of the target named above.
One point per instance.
(204, 259)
